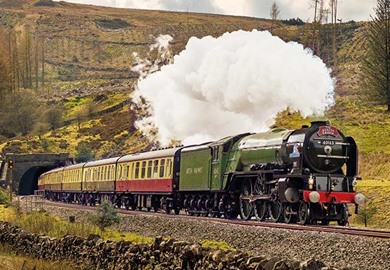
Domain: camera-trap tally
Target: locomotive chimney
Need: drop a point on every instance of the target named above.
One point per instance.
(319, 123)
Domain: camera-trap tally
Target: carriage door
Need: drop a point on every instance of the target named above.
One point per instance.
(216, 168)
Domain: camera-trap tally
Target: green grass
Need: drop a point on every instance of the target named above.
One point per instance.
(43, 223)
(377, 191)
(10, 261)
(215, 245)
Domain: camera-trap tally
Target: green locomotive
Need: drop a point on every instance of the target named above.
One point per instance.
(306, 175)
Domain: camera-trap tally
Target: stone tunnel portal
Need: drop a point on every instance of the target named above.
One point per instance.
(29, 181)
(23, 175)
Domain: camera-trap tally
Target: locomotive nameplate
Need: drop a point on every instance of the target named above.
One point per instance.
(194, 170)
(326, 130)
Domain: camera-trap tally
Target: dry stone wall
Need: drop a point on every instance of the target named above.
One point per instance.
(95, 253)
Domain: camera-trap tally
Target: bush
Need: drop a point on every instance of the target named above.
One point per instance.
(4, 199)
(44, 3)
(84, 153)
(367, 211)
(106, 215)
(112, 24)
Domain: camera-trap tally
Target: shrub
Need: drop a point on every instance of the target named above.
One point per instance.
(106, 215)
(4, 199)
(112, 24)
(84, 153)
(44, 3)
(367, 211)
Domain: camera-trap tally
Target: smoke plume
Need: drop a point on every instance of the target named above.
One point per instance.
(233, 84)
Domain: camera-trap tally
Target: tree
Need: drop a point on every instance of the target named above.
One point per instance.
(54, 116)
(376, 66)
(84, 153)
(333, 8)
(274, 13)
(366, 212)
(20, 112)
(106, 215)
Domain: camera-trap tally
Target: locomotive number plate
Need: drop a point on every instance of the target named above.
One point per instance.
(325, 142)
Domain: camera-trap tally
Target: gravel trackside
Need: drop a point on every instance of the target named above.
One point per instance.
(336, 250)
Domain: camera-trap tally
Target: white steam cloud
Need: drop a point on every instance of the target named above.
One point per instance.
(234, 84)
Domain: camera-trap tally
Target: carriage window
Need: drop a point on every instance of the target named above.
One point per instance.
(169, 168)
(149, 174)
(126, 173)
(136, 170)
(143, 169)
(162, 168)
(155, 169)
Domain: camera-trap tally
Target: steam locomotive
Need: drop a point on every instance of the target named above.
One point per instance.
(307, 175)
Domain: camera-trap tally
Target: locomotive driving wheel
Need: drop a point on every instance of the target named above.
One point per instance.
(260, 209)
(275, 209)
(288, 214)
(304, 213)
(246, 206)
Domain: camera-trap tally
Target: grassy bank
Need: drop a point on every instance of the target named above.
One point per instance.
(11, 261)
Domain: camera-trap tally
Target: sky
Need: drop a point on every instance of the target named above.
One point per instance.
(358, 10)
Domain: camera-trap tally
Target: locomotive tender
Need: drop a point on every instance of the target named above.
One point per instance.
(307, 175)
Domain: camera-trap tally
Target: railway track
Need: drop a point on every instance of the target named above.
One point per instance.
(324, 229)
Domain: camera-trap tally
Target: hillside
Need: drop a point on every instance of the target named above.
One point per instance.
(87, 56)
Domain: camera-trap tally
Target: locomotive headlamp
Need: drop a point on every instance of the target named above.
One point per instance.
(360, 199)
(311, 182)
(354, 182)
(314, 197)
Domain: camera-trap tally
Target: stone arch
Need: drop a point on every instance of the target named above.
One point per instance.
(29, 181)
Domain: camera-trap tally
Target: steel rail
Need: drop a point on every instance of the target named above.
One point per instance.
(384, 234)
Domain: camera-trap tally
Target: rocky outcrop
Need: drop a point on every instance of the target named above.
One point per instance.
(95, 253)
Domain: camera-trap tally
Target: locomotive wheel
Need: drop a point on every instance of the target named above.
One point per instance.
(260, 209)
(275, 210)
(304, 213)
(167, 209)
(344, 215)
(325, 222)
(216, 215)
(246, 206)
(177, 210)
(230, 214)
(288, 214)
